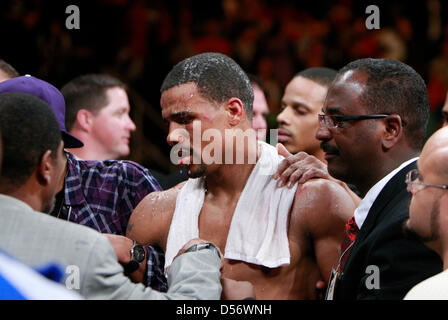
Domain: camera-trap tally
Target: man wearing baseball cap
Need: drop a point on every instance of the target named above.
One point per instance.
(32, 167)
(99, 194)
(48, 93)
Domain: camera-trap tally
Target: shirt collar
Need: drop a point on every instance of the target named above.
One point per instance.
(366, 203)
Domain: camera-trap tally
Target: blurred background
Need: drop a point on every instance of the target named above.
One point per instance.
(140, 41)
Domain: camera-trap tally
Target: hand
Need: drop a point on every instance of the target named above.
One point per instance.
(300, 168)
(122, 247)
(236, 290)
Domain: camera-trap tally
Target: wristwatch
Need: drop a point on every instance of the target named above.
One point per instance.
(138, 255)
(202, 246)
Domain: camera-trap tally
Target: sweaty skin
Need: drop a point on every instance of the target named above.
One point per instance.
(317, 218)
(316, 221)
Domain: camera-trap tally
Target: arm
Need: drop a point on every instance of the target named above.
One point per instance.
(149, 225)
(194, 275)
(150, 221)
(122, 247)
(323, 208)
(134, 183)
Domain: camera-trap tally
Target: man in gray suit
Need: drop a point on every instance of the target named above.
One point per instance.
(32, 174)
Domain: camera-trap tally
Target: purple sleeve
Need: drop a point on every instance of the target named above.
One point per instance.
(155, 277)
(136, 183)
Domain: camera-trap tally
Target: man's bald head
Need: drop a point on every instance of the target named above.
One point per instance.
(435, 153)
(427, 218)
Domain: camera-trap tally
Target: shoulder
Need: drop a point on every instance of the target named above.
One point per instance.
(314, 185)
(432, 288)
(151, 219)
(322, 194)
(110, 167)
(104, 166)
(67, 229)
(320, 203)
(48, 238)
(88, 248)
(160, 201)
(124, 172)
(135, 174)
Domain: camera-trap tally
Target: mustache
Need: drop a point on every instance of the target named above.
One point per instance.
(285, 130)
(327, 148)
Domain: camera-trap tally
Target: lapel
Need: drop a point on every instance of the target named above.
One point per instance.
(391, 190)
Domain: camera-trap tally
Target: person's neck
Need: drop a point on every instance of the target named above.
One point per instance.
(84, 153)
(24, 194)
(443, 255)
(320, 154)
(382, 169)
(441, 244)
(92, 149)
(229, 179)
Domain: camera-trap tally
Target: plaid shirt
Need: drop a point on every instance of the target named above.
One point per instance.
(102, 195)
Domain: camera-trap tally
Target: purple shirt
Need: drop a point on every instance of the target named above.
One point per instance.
(102, 195)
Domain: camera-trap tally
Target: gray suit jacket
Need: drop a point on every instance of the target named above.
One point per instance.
(36, 238)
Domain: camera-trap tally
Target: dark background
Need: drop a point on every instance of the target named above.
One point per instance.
(139, 42)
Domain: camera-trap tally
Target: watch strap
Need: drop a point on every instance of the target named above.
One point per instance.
(202, 246)
(131, 267)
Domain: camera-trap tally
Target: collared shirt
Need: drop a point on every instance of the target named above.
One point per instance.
(366, 203)
(102, 195)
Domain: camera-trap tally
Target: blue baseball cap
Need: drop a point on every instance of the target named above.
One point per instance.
(48, 93)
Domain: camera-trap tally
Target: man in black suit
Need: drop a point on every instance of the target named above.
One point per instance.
(372, 130)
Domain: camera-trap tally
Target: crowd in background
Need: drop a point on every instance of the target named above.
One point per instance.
(139, 42)
(371, 184)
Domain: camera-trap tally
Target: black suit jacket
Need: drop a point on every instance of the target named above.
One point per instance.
(381, 244)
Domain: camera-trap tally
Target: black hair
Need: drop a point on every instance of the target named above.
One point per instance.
(393, 87)
(29, 128)
(321, 75)
(87, 92)
(217, 77)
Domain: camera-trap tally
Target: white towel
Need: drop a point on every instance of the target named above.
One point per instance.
(258, 231)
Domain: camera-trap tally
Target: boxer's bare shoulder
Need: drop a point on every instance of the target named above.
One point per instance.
(151, 219)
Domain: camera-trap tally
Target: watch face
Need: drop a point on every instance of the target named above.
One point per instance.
(139, 253)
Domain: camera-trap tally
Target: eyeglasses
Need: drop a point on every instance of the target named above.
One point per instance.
(414, 185)
(338, 122)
